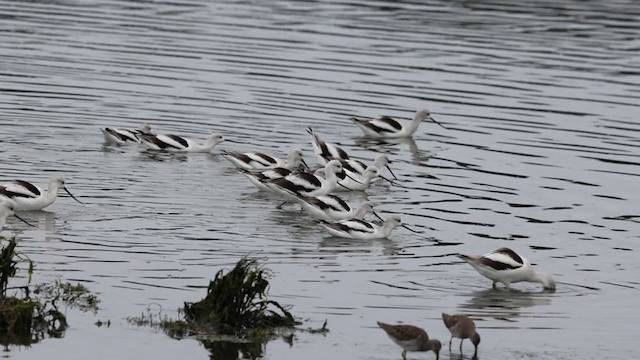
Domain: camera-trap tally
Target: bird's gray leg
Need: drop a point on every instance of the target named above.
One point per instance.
(404, 355)
(450, 340)
(461, 345)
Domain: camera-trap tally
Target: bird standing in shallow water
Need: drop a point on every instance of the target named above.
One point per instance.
(387, 127)
(411, 338)
(30, 197)
(506, 266)
(115, 136)
(460, 326)
(363, 230)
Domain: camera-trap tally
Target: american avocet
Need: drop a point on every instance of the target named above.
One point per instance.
(387, 127)
(306, 184)
(364, 230)
(260, 161)
(326, 151)
(358, 183)
(115, 136)
(260, 178)
(178, 143)
(7, 208)
(358, 167)
(30, 197)
(462, 327)
(411, 338)
(333, 208)
(506, 266)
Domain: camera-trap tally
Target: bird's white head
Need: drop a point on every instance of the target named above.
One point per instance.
(145, 128)
(334, 166)
(393, 221)
(370, 173)
(7, 206)
(422, 114)
(55, 183)
(381, 161)
(214, 139)
(547, 281)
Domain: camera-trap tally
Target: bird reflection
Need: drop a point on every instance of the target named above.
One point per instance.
(162, 156)
(385, 146)
(504, 304)
(337, 245)
(37, 218)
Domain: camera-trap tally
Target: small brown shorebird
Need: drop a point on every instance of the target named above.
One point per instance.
(460, 326)
(411, 338)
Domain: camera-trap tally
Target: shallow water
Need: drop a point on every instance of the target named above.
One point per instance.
(540, 154)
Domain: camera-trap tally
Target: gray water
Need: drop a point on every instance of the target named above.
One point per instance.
(541, 154)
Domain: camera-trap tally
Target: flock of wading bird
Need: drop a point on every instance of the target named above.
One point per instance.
(312, 189)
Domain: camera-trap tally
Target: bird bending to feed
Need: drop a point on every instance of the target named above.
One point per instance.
(411, 338)
(358, 167)
(260, 178)
(462, 327)
(359, 183)
(363, 230)
(333, 208)
(260, 161)
(306, 184)
(115, 136)
(7, 208)
(30, 197)
(178, 143)
(506, 266)
(326, 151)
(387, 127)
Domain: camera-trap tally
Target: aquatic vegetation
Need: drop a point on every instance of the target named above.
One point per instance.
(24, 321)
(237, 303)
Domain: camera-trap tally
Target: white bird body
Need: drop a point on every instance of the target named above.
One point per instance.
(261, 161)
(387, 127)
(326, 151)
(506, 266)
(116, 136)
(27, 196)
(306, 184)
(357, 167)
(180, 144)
(361, 229)
(332, 208)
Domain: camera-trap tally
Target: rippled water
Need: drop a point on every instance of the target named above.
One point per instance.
(541, 154)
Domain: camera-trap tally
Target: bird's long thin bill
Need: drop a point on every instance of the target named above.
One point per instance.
(378, 216)
(347, 175)
(74, 198)
(23, 220)
(346, 187)
(391, 172)
(434, 120)
(410, 229)
(384, 178)
(304, 163)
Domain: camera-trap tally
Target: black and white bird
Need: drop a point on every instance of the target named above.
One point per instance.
(333, 208)
(261, 161)
(180, 144)
(362, 229)
(388, 127)
(325, 151)
(117, 136)
(506, 266)
(307, 184)
(27, 196)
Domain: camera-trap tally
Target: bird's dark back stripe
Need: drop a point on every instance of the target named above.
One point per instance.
(119, 135)
(310, 178)
(392, 122)
(497, 265)
(29, 186)
(177, 138)
(343, 154)
(510, 253)
(242, 157)
(267, 159)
